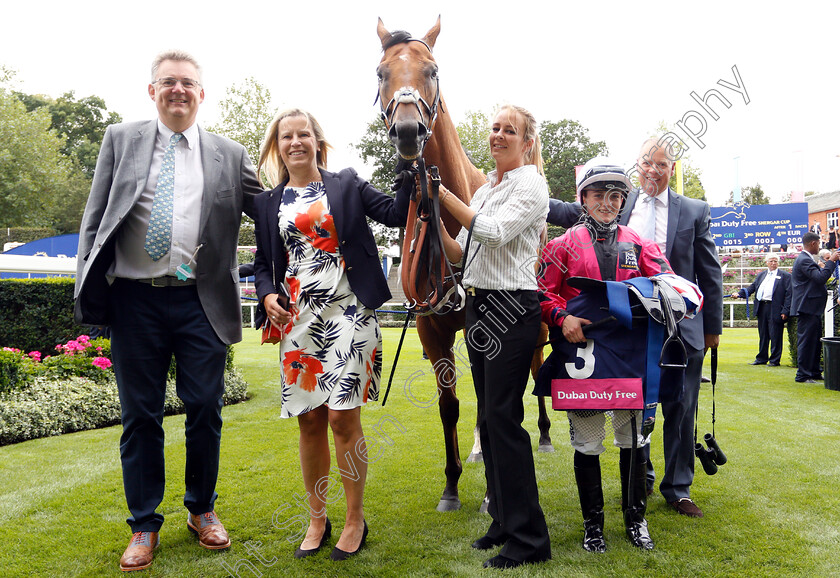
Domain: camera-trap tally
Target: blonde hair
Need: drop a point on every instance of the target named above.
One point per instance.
(270, 162)
(533, 156)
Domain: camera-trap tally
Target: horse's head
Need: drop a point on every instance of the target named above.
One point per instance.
(409, 91)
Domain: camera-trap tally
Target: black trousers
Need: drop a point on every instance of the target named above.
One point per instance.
(770, 334)
(149, 326)
(502, 330)
(808, 333)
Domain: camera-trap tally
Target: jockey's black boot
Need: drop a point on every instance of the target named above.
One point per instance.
(634, 506)
(588, 477)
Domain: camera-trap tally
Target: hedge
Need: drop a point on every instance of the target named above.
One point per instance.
(27, 234)
(792, 339)
(37, 314)
(48, 407)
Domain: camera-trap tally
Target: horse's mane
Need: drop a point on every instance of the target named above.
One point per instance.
(397, 37)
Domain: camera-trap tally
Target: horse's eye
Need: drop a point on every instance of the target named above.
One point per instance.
(434, 73)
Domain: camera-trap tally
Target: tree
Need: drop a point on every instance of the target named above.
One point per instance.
(35, 177)
(473, 132)
(751, 195)
(566, 144)
(81, 123)
(246, 112)
(376, 149)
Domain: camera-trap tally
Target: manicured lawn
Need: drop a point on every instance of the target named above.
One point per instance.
(773, 510)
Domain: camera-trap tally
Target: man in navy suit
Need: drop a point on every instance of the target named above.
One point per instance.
(175, 296)
(680, 226)
(807, 304)
(772, 309)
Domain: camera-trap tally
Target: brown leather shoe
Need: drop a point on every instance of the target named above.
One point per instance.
(211, 534)
(687, 508)
(140, 551)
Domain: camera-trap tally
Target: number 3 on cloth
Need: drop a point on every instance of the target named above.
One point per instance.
(586, 354)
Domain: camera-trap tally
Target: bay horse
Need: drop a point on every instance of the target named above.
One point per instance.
(418, 125)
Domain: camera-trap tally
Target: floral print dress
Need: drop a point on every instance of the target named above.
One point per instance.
(332, 350)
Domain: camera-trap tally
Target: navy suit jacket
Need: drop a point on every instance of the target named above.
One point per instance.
(780, 300)
(808, 283)
(691, 252)
(350, 200)
(562, 214)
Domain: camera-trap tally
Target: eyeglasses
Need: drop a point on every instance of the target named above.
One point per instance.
(168, 82)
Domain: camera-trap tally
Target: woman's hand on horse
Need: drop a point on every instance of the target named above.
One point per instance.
(405, 179)
(276, 313)
(573, 328)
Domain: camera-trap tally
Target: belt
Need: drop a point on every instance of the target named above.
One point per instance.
(167, 281)
(475, 292)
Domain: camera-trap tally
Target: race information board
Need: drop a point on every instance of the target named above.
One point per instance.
(744, 225)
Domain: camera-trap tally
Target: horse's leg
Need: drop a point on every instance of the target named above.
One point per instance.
(475, 454)
(543, 422)
(438, 342)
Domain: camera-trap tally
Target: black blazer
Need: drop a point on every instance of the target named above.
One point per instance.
(808, 283)
(780, 300)
(350, 199)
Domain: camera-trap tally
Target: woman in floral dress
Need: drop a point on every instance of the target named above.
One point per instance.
(319, 278)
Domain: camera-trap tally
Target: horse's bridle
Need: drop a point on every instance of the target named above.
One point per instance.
(410, 95)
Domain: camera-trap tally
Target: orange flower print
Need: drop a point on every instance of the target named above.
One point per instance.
(302, 369)
(369, 365)
(317, 224)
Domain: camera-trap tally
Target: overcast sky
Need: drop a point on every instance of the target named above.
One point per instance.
(619, 68)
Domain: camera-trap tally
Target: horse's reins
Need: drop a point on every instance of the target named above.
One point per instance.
(424, 224)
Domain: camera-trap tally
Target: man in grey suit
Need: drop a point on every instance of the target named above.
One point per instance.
(680, 226)
(157, 263)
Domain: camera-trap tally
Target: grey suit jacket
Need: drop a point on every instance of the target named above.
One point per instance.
(691, 251)
(122, 169)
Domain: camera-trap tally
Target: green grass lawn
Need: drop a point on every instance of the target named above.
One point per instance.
(773, 510)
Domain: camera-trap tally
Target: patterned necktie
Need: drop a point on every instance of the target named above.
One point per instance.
(159, 235)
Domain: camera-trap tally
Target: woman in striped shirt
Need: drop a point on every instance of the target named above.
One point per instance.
(500, 239)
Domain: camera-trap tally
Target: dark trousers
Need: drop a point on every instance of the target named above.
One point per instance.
(808, 333)
(502, 330)
(770, 334)
(149, 326)
(678, 435)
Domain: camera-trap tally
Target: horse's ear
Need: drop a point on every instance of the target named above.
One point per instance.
(383, 33)
(432, 34)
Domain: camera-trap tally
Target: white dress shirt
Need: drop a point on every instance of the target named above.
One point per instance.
(506, 236)
(131, 259)
(639, 217)
(765, 290)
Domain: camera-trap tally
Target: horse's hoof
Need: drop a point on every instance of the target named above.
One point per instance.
(546, 448)
(475, 458)
(485, 503)
(449, 505)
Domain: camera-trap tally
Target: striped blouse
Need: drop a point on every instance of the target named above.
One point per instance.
(505, 241)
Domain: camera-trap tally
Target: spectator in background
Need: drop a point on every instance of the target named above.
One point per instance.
(772, 309)
(832, 239)
(807, 304)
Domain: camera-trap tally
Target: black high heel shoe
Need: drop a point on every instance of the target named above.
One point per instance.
(338, 554)
(299, 553)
